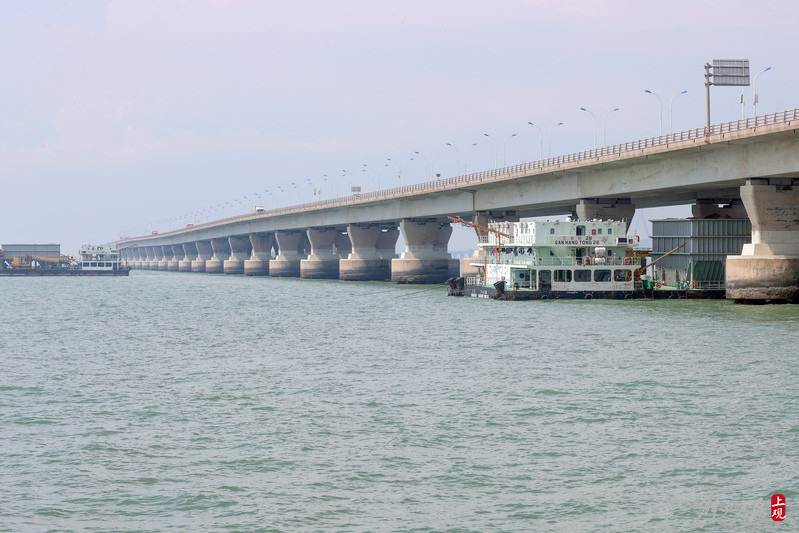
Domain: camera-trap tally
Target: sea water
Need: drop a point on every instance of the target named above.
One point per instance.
(195, 402)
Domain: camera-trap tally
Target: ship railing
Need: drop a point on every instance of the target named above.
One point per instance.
(527, 260)
(550, 240)
(474, 280)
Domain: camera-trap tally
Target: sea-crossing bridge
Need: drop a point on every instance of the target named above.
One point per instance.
(746, 168)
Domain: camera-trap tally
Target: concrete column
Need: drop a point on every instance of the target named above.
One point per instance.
(157, 257)
(239, 252)
(221, 248)
(258, 263)
(768, 269)
(425, 259)
(148, 259)
(177, 255)
(322, 263)
(719, 208)
(287, 262)
(605, 209)
(135, 257)
(204, 253)
(366, 262)
(166, 256)
(189, 255)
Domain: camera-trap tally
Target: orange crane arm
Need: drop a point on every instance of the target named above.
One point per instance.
(459, 220)
(643, 269)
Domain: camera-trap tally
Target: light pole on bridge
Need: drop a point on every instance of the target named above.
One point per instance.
(671, 111)
(754, 87)
(541, 140)
(661, 108)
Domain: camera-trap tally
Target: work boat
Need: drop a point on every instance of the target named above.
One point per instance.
(537, 260)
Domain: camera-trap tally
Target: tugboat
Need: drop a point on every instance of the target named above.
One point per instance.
(572, 259)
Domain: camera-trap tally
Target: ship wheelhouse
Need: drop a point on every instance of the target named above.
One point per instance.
(99, 257)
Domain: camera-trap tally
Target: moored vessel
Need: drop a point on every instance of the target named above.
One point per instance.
(46, 260)
(572, 259)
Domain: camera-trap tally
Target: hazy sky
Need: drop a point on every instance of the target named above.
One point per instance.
(123, 117)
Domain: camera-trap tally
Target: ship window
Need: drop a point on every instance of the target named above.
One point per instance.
(602, 275)
(582, 275)
(563, 275)
(551, 231)
(622, 275)
(610, 231)
(599, 231)
(94, 264)
(580, 230)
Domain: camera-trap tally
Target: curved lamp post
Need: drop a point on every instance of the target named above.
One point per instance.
(496, 149)
(504, 148)
(754, 87)
(549, 148)
(541, 140)
(661, 108)
(671, 111)
(458, 168)
(594, 117)
(604, 125)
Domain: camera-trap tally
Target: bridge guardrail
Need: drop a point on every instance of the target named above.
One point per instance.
(506, 172)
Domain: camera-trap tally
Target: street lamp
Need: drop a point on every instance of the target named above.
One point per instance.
(594, 116)
(459, 157)
(541, 140)
(549, 148)
(604, 125)
(496, 150)
(424, 168)
(466, 156)
(671, 111)
(754, 96)
(504, 148)
(661, 108)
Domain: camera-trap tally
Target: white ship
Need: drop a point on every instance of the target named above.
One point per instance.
(555, 259)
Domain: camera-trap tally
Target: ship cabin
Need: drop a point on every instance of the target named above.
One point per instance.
(99, 257)
(582, 255)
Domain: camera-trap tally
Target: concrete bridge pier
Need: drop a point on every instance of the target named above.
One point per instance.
(289, 246)
(768, 269)
(605, 209)
(166, 257)
(204, 253)
(425, 259)
(239, 252)
(221, 248)
(135, 257)
(258, 263)
(147, 257)
(189, 255)
(177, 256)
(158, 258)
(365, 262)
(322, 263)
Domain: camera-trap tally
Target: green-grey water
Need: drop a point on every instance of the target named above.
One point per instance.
(192, 402)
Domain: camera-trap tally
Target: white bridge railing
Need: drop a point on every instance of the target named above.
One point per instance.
(522, 168)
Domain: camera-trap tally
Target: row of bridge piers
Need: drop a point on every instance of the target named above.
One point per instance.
(767, 269)
(357, 252)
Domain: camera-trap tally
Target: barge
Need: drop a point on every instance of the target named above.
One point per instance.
(95, 260)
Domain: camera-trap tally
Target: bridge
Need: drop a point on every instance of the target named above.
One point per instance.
(746, 168)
